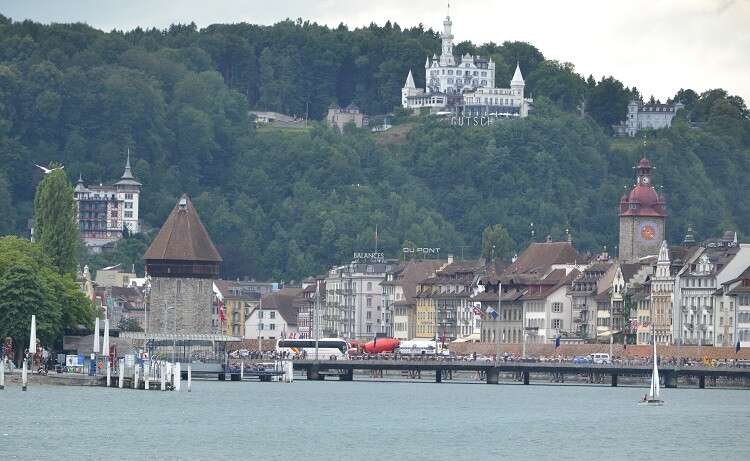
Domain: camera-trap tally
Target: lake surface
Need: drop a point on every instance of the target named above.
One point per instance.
(372, 420)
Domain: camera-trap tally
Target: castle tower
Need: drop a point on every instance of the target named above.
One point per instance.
(128, 192)
(182, 262)
(409, 89)
(643, 215)
(517, 84)
(446, 57)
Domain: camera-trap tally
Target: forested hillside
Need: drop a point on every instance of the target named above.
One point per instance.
(287, 204)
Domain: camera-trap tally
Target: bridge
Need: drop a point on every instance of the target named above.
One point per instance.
(318, 369)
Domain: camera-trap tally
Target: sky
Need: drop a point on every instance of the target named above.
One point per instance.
(659, 46)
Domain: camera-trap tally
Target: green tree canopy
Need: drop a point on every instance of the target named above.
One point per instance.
(55, 220)
(496, 242)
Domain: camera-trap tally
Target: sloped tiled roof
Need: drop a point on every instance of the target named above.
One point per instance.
(283, 302)
(183, 237)
(539, 256)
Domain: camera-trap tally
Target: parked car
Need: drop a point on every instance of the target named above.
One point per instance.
(581, 359)
(600, 359)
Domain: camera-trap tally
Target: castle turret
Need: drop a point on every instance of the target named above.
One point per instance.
(446, 57)
(517, 84)
(129, 191)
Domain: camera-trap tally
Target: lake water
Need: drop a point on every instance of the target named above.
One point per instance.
(372, 420)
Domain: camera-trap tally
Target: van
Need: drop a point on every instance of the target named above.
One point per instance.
(600, 359)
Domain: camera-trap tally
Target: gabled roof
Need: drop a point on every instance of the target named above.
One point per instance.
(517, 76)
(629, 271)
(183, 237)
(283, 302)
(409, 81)
(538, 257)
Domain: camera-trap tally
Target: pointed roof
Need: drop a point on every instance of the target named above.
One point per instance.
(409, 81)
(183, 237)
(664, 252)
(517, 76)
(127, 177)
(427, 63)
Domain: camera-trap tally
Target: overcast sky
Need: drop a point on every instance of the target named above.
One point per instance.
(659, 46)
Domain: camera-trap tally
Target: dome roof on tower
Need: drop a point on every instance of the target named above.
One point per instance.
(643, 200)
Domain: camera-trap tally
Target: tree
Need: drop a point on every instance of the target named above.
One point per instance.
(7, 211)
(129, 325)
(55, 221)
(608, 101)
(21, 295)
(496, 242)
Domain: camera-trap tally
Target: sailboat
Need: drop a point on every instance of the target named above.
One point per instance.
(653, 393)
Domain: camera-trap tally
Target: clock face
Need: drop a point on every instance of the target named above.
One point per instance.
(648, 231)
(645, 180)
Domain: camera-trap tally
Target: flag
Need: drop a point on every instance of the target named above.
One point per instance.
(222, 315)
(737, 348)
(557, 342)
(478, 311)
(492, 313)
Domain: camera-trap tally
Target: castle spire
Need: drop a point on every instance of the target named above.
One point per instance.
(128, 174)
(409, 81)
(517, 76)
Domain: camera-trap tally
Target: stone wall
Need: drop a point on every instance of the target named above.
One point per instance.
(180, 305)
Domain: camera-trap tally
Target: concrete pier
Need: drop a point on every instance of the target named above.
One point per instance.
(493, 376)
(614, 380)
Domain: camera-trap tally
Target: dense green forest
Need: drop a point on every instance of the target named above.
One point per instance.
(286, 204)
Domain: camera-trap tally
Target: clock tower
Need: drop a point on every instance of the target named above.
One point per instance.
(643, 215)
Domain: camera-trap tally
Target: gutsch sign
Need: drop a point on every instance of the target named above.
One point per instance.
(478, 120)
(425, 251)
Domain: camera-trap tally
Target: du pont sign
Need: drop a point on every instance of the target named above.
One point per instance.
(421, 251)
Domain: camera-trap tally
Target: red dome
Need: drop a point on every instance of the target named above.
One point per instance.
(644, 163)
(643, 200)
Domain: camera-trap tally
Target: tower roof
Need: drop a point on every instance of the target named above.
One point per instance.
(643, 200)
(183, 237)
(517, 76)
(127, 177)
(409, 81)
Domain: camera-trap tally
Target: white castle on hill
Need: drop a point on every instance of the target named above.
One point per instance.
(464, 86)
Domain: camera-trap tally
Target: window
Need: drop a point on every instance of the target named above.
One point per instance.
(272, 315)
(369, 315)
(260, 326)
(129, 196)
(128, 214)
(557, 324)
(260, 314)
(272, 326)
(556, 307)
(369, 302)
(128, 205)
(369, 286)
(113, 213)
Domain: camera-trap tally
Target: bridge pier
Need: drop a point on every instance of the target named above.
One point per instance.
(701, 382)
(439, 375)
(526, 377)
(222, 376)
(614, 380)
(313, 374)
(493, 375)
(670, 380)
(348, 376)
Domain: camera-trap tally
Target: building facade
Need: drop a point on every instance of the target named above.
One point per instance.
(662, 297)
(103, 211)
(354, 298)
(338, 117)
(275, 316)
(649, 116)
(643, 215)
(464, 85)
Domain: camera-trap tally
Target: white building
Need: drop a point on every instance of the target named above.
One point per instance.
(354, 298)
(650, 116)
(697, 290)
(662, 297)
(465, 86)
(275, 317)
(548, 308)
(103, 211)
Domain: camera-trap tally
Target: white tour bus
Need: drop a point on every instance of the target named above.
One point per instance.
(328, 348)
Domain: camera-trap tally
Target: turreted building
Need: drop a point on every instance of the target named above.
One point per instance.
(182, 263)
(464, 85)
(643, 216)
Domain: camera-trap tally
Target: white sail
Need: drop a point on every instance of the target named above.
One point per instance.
(654, 391)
